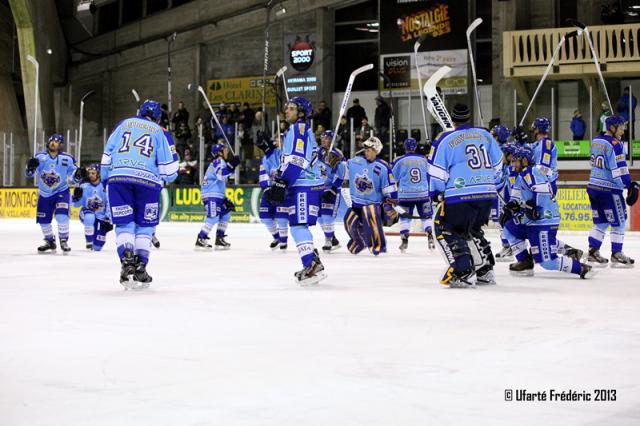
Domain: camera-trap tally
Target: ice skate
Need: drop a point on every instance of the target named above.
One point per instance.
(595, 258)
(312, 274)
(141, 278)
(127, 270)
(221, 244)
(586, 271)
(65, 247)
(453, 280)
(505, 255)
(485, 276)
(405, 242)
(274, 244)
(523, 268)
(89, 246)
(330, 244)
(49, 246)
(155, 241)
(203, 243)
(621, 260)
(572, 252)
(431, 241)
(283, 248)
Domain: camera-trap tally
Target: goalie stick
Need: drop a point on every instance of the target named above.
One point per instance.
(438, 109)
(345, 99)
(470, 30)
(416, 47)
(137, 97)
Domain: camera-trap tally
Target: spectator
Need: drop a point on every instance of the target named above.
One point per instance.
(187, 170)
(164, 118)
(183, 135)
(344, 135)
(247, 116)
(245, 142)
(357, 113)
(319, 130)
(180, 116)
(323, 115)
(578, 126)
(364, 132)
(284, 126)
(257, 127)
(382, 118)
(234, 114)
(606, 112)
(623, 110)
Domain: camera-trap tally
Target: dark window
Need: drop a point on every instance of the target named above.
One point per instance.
(108, 17)
(363, 31)
(566, 9)
(154, 6)
(484, 62)
(359, 12)
(483, 10)
(352, 56)
(176, 3)
(131, 11)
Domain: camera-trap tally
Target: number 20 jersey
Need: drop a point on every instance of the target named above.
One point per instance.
(139, 152)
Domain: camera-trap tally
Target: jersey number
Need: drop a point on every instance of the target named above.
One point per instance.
(597, 161)
(479, 157)
(143, 142)
(414, 175)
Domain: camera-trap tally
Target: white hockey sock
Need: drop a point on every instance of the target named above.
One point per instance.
(125, 240)
(47, 230)
(427, 224)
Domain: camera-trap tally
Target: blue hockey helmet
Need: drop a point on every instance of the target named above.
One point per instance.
(509, 148)
(216, 149)
(614, 120)
(524, 151)
(520, 135)
(94, 166)
(327, 134)
(151, 109)
(56, 137)
(410, 145)
(501, 133)
(303, 105)
(541, 124)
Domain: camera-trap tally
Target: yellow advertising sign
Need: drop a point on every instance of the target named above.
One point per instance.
(575, 209)
(22, 203)
(239, 90)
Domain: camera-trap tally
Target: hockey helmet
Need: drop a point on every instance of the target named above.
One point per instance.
(151, 109)
(410, 145)
(216, 149)
(303, 105)
(541, 124)
(501, 133)
(614, 120)
(56, 137)
(374, 143)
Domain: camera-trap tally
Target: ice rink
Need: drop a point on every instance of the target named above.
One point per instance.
(227, 338)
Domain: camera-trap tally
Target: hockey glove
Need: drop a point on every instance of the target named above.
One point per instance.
(263, 143)
(333, 159)
(80, 174)
(531, 210)
(389, 215)
(234, 161)
(437, 197)
(508, 211)
(228, 205)
(103, 224)
(77, 194)
(32, 165)
(277, 192)
(632, 193)
(329, 196)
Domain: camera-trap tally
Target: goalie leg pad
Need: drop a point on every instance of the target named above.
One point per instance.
(372, 229)
(453, 247)
(354, 228)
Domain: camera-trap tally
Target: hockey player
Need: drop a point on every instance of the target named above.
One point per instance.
(372, 189)
(463, 168)
(275, 218)
(94, 213)
(545, 152)
(332, 166)
(137, 158)
(53, 170)
(609, 177)
(298, 187)
(503, 188)
(216, 204)
(411, 174)
(537, 220)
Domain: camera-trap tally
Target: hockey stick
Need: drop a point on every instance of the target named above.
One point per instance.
(470, 30)
(438, 109)
(137, 97)
(393, 115)
(280, 74)
(546, 72)
(265, 68)
(403, 213)
(416, 47)
(583, 27)
(215, 117)
(79, 148)
(345, 99)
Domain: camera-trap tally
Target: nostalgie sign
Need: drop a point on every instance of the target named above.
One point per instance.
(444, 23)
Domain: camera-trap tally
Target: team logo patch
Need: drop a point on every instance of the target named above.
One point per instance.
(546, 158)
(527, 178)
(151, 211)
(50, 178)
(459, 182)
(300, 146)
(95, 203)
(363, 184)
(62, 205)
(121, 211)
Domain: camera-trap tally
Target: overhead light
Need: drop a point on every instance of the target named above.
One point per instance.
(280, 10)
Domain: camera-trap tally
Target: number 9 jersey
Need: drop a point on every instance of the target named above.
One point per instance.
(465, 165)
(140, 152)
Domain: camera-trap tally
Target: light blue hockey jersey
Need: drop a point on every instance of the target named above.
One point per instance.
(370, 183)
(299, 156)
(533, 184)
(412, 175)
(140, 152)
(94, 198)
(465, 165)
(53, 173)
(545, 156)
(609, 169)
(333, 178)
(269, 167)
(214, 183)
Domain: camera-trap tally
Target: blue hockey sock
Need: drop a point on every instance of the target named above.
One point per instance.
(271, 227)
(596, 235)
(327, 225)
(405, 224)
(209, 223)
(63, 226)
(617, 238)
(562, 263)
(125, 238)
(283, 230)
(47, 231)
(304, 243)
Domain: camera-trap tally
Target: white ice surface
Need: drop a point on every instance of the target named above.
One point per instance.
(226, 338)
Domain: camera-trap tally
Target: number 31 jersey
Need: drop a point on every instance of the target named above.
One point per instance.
(138, 151)
(412, 177)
